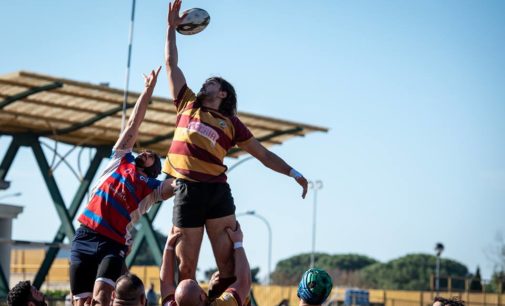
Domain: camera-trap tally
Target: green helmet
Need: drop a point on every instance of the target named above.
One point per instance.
(315, 286)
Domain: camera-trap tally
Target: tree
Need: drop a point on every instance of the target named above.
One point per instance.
(410, 272)
(476, 283)
(496, 254)
(341, 267)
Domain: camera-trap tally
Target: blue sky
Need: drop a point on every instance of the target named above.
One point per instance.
(412, 92)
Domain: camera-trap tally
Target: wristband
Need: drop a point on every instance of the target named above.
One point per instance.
(295, 174)
(238, 245)
(168, 247)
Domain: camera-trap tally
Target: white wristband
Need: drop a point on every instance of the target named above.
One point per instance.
(168, 247)
(295, 174)
(237, 245)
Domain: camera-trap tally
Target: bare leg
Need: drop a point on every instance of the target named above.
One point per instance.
(188, 250)
(221, 243)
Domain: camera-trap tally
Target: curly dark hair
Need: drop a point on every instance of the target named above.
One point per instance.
(20, 294)
(228, 106)
(454, 301)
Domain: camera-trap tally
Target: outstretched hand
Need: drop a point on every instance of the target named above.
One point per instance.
(150, 81)
(302, 181)
(173, 14)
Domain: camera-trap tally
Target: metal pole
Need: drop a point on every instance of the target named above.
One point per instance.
(317, 185)
(17, 194)
(437, 278)
(238, 163)
(127, 78)
(439, 248)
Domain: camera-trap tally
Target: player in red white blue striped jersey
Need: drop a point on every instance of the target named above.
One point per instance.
(125, 191)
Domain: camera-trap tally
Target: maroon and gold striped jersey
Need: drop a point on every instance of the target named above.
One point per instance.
(201, 140)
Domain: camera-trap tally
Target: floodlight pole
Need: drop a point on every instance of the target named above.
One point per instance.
(127, 78)
(439, 248)
(317, 185)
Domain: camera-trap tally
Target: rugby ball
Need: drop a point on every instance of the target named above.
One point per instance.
(194, 21)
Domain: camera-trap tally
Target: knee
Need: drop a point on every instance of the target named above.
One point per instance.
(187, 269)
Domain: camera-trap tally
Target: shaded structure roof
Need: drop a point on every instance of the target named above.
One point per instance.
(86, 114)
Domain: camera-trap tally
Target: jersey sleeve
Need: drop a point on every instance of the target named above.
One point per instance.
(229, 298)
(153, 197)
(242, 133)
(184, 98)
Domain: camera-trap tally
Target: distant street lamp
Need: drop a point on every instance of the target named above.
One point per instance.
(439, 248)
(17, 194)
(239, 163)
(254, 214)
(317, 185)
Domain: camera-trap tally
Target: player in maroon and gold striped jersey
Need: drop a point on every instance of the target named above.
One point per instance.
(207, 127)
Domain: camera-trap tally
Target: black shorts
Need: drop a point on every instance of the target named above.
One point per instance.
(195, 202)
(94, 257)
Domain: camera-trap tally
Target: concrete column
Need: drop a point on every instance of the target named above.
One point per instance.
(7, 213)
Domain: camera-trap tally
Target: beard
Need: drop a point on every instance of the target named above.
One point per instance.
(202, 95)
(139, 162)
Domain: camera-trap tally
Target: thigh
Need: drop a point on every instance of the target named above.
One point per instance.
(189, 205)
(83, 264)
(221, 243)
(188, 250)
(112, 260)
(83, 270)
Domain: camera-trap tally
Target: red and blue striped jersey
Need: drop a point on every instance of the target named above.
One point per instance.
(120, 198)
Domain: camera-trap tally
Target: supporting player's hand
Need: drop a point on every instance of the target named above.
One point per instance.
(150, 80)
(172, 239)
(173, 14)
(302, 181)
(235, 235)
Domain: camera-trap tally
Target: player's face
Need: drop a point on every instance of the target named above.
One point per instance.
(210, 88)
(38, 297)
(145, 159)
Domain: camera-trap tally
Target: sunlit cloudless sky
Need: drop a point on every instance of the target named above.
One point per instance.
(412, 92)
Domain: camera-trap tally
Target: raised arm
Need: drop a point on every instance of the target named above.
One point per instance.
(129, 135)
(167, 283)
(175, 76)
(242, 285)
(274, 162)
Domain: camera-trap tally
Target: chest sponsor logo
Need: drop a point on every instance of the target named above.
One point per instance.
(203, 130)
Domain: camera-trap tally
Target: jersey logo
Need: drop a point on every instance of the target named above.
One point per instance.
(204, 130)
